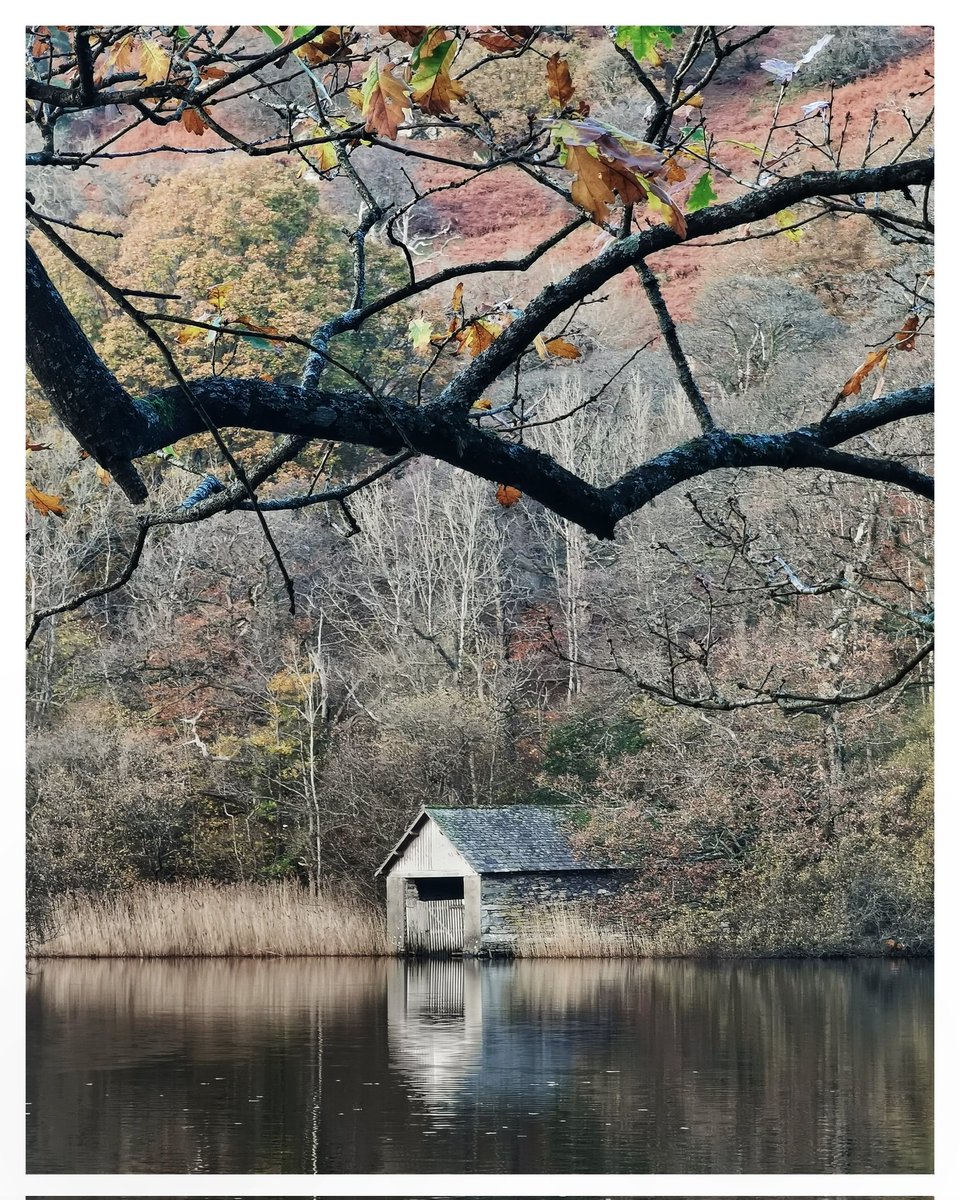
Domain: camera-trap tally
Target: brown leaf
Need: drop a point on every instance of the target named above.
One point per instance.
(875, 359)
(477, 337)
(497, 43)
(457, 302)
(590, 189)
(104, 476)
(559, 84)
(561, 349)
(411, 34)
(38, 445)
(44, 503)
(213, 73)
(193, 122)
(384, 99)
(907, 336)
(507, 495)
(266, 330)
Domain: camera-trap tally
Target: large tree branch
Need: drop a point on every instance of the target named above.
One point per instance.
(755, 205)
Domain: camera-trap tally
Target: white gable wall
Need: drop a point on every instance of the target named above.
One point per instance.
(431, 853)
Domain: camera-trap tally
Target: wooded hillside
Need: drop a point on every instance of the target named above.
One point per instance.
(484, 415)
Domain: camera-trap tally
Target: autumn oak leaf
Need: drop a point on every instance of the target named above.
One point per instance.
(559, 84)
(193, 122)
(45, 504)
(562, 349)
(154, 62)
(476, 337)
(907, 335)
(874, 360)
(384, 98)
(432, 88)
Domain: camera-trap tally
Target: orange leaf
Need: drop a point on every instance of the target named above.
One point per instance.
(484, 404)
(44, 503)
(104, 476)
(120, 54)
(561, 349)
(193, 122)
(875, 359)
(507, 495)
(559, 84)
(457, 302)
(907, 336)
(477, 337)
(247, 323)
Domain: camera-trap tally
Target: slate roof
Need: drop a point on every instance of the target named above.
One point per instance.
(518, 837)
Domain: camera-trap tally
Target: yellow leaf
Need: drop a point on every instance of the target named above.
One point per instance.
(507, 495)
(104, 476)
(696, 101)
(540, 345)
(217, 296)
(44, 503)
(786, 218)
(154, 62)
(188, 333)
(484, 404)
(561, 349)
(355, 96)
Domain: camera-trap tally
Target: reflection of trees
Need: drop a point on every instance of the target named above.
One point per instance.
(645, 1066)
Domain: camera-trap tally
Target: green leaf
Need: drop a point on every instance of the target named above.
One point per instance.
(273, 33)
(785, 219)
(419, 332)
(183, 32)
(702, 195)
(642, 41)
(689, 136)
(430, 67)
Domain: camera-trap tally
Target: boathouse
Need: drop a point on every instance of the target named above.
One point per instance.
(461, 880)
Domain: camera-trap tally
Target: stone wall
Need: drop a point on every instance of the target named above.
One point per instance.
(505, 898)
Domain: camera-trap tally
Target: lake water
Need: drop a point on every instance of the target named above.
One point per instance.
(315, 1066)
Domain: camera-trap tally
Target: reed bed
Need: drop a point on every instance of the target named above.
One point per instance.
(204, 920)
(574, 931)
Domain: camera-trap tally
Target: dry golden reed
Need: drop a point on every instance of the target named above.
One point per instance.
(203, 920)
